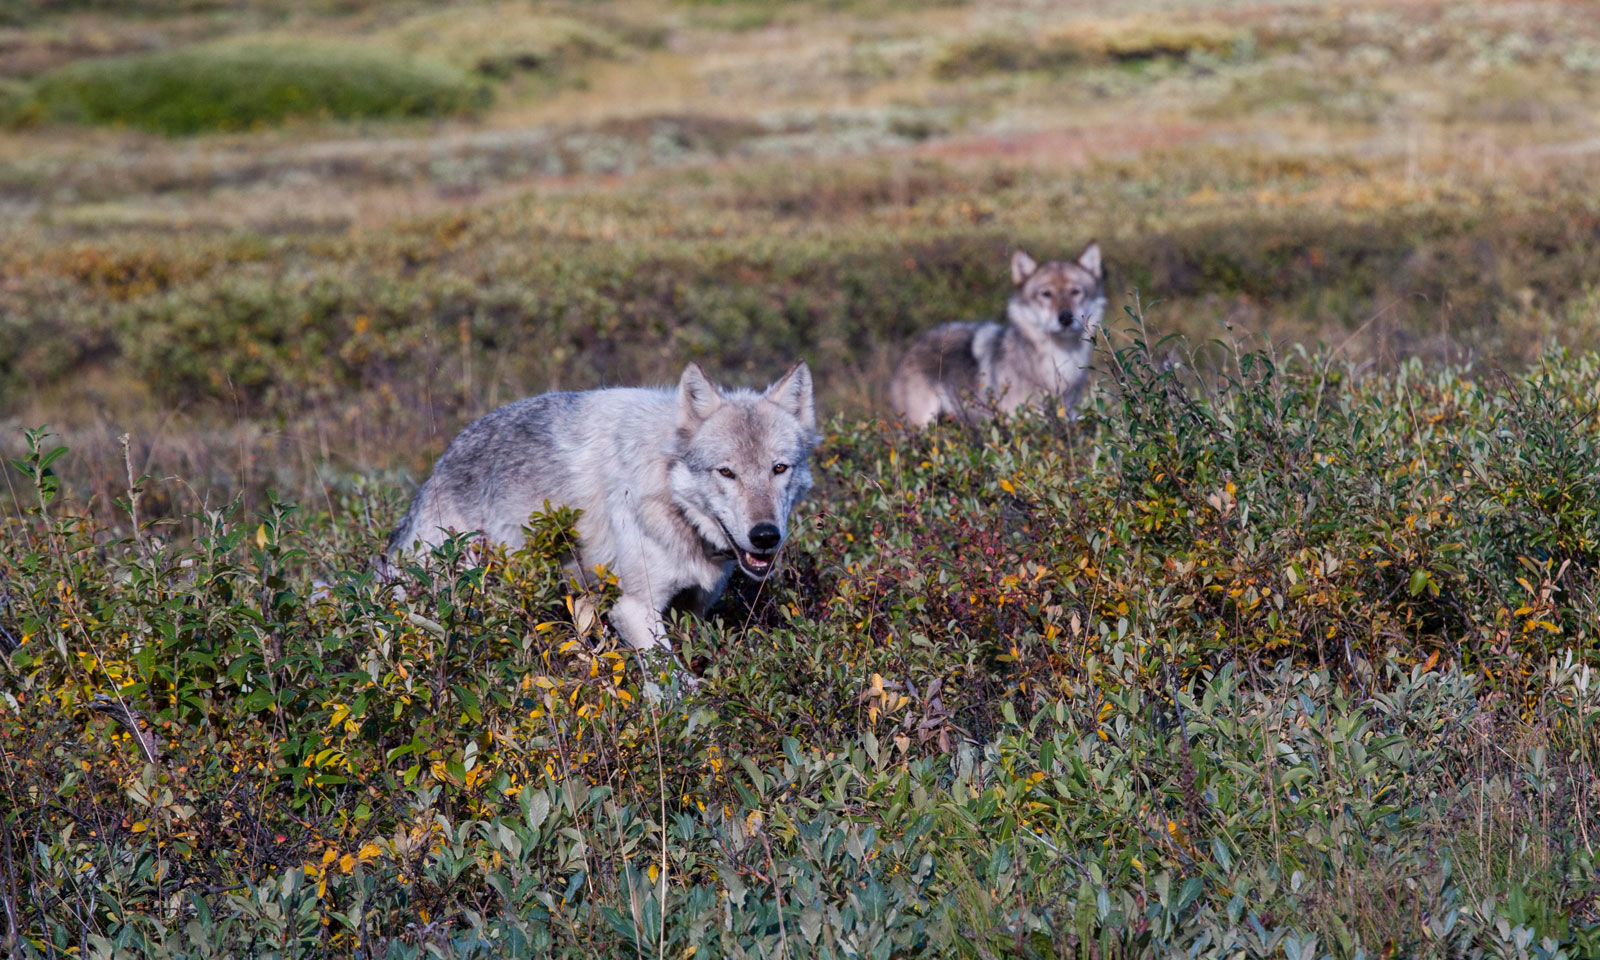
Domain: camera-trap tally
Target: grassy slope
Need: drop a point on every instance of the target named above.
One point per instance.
(659, 183)
(952, 727)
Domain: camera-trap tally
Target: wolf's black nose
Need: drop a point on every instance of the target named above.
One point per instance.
(1067, 318)
(765, 536)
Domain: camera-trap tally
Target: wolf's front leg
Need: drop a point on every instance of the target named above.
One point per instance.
(638, 621)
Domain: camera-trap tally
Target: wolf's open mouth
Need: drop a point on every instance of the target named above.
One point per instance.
(757, 565)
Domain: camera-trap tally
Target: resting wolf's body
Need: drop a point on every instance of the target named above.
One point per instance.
(676, 487)
(967, 370)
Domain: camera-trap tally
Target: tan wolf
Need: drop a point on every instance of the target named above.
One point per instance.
(1040, 356)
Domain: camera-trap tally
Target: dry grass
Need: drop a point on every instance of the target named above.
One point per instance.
(762, 186)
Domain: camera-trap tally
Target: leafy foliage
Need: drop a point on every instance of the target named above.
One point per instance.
(240, 86)
(1287, 660)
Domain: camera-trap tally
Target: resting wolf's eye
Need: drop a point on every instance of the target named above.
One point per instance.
(779, 467)
(1046, 294)
(1074, 292)
(725, 472)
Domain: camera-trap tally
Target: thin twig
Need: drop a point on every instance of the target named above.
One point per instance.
(133, 491)
(132, 721)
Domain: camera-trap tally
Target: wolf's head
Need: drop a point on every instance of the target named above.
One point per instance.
(1059, 297)
(741, 462)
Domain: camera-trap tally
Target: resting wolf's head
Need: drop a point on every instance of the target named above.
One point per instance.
(741, 462)
(1059, 297)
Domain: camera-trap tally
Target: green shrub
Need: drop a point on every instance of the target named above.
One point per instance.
(1127, 40)
(237, 86)
(502, 40)
(15, 100)
(1288, 662)
(1003, 53)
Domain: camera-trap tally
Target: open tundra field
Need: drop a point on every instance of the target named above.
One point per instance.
(1287, 647)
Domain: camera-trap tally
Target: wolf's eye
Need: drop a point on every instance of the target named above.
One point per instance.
(1074, 292)
(725, 472)
(1046, 294)
(779, 467)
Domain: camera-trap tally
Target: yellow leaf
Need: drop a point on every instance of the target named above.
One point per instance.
(261, 536)
(1007, 487)
(369, 853)
(1427, 664)
(347, 863)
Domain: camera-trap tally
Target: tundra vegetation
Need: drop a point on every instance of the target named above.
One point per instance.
(1287, 647)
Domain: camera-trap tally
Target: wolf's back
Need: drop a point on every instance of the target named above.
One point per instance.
(496, 464)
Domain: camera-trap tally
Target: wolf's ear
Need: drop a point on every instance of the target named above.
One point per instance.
(1022, 266)
(794, 394)
(1089, 259)
(698, 398)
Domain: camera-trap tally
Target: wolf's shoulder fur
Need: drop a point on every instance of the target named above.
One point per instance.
(969, 370)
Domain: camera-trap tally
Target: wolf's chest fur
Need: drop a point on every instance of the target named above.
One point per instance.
(1016, 363)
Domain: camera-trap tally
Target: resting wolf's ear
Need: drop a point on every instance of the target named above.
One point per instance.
(794, 394)
(698, 397)
(1022, 266)
(1089, 259)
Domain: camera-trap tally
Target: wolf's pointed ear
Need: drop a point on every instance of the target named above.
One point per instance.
(1022, 266)
(794, 394)
(698, 398)
(1089, 259)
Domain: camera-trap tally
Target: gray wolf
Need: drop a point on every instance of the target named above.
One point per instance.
(1041, 355)
(677, 487)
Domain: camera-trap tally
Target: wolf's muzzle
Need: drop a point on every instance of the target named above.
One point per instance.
(765, 537)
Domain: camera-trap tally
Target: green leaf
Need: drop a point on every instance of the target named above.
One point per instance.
(257, 700)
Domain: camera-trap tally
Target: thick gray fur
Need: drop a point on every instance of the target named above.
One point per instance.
(647, 468)
(1040, 355)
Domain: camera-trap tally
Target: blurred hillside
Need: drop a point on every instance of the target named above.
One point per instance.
(273, 235)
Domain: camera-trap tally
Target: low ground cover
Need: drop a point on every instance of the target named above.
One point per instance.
(1294, 661)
